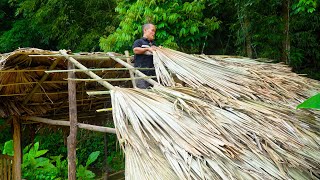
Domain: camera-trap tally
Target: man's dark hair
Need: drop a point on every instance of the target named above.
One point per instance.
(146, 26)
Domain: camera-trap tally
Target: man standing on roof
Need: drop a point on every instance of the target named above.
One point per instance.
(143, 57)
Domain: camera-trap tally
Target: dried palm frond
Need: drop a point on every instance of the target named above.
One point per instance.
(202, 141)
(234, 77)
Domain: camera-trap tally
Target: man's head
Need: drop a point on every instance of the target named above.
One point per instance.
(149, 31)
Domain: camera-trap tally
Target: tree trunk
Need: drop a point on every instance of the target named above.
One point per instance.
(247, 36)
(72, 139)
(17, 148)
(285, 57)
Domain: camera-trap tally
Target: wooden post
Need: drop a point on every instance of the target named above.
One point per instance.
(72, 139)
(17, 149)
(130, 71)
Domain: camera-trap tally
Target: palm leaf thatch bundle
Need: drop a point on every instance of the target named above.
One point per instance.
(214, 129)
(233, 77)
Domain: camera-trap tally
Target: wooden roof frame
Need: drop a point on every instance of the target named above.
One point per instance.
(72, 101)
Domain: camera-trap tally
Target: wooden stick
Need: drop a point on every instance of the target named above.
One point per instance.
(130, 71)
(92, 93)
(95, 69)
(22, 70)
(17, 148)
(67, 123)
(80, 57)
(61, 102)
(137, 72)
(104, 110)
(91, 74)
(26, 83)
(44, 77)
(113, 79)
(72, 138)
(48, 93)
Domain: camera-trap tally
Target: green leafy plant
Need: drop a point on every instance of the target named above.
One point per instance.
(36, 167)
(8, 148)
(83, 172)
(311, 103)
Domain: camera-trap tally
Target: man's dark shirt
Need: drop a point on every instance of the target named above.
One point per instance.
(143, 60)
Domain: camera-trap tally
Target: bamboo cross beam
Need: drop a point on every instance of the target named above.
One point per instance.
(104, 110)
(67, 123)
(95, 69)
(113, 79)
(89, 73)
(137, 72)
(92, 93)
(80, 57)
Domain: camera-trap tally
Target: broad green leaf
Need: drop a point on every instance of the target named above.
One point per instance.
(41, 152)
(312, 103)
(92, 157)
(8, 148)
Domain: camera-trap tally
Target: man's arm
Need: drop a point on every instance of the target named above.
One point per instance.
(140, 50)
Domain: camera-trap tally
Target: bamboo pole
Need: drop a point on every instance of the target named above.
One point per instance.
(72, 138)
(137, 72)
(130, 71)
(48, 93)
(56, 103)
(104, 110)
(95, 69)
(92, 93)
(67, 123)
(44, 77)
(89, 73)
(16, 148)
(26, 83)
(80, 57)
(113, 79)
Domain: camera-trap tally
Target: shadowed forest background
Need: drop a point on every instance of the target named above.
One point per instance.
(284, 31)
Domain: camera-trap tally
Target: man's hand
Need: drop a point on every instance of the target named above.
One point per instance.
(152, 48)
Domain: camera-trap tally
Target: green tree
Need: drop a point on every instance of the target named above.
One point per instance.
(180, 24)
(53, 24)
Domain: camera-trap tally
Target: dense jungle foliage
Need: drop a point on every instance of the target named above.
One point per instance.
(283, 30)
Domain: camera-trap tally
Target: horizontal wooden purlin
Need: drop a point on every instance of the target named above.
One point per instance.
(79, 105)
(92, 93)
(23, 70)
(104, 110)
(42, 93)
(66, 114)
(96, 69)
(78, 100)
(113, 79)
(27, 83)
(79, 57)
(67, 123)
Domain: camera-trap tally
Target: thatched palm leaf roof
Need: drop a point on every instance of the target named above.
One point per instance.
(22, 70)
(224, 125)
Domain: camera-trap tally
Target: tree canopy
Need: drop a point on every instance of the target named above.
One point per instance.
(283, 30)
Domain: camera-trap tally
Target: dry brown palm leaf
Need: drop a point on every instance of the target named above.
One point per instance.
(235, 77)
(202, 141)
